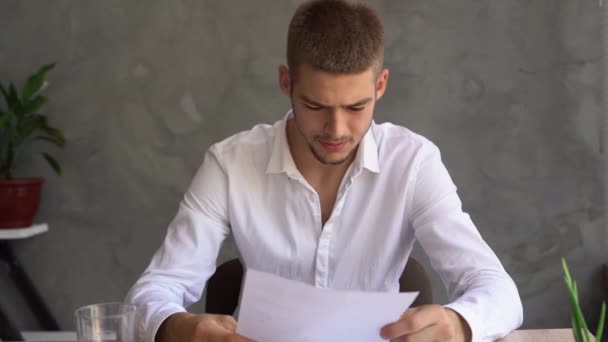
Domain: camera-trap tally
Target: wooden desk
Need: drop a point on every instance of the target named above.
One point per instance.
(540, 335)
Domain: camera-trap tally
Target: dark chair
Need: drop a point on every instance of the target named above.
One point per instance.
(224, 286)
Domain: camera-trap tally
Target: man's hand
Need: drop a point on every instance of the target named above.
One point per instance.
(428, 323)
(187, 327)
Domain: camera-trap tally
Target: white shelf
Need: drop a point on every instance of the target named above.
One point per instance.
(23, 233)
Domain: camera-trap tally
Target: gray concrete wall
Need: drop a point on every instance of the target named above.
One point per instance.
(509, 90)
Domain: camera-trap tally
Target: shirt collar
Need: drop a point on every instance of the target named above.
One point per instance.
(367, 154)
(281, 160)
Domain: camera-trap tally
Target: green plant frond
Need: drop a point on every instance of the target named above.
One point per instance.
(600, 323)
(57, 141)
(4, 117)
(13, 100)
(566, 273)
(579, 326)
(579, 314)
(34, 82)
(580, 323)
(53, 163)
(3, 91)
(32, 106)
(26, 127)
(8, 164)
(45, 68)
(55, 134)
(569, 285)
(576, 331)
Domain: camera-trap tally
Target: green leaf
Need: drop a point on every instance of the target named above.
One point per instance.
(4, 117)
(54, 164)
(579, 315)
(576, 331)
(34, 105)
(600, 324)
(26, 127)
(55, 135)
(34, 82)
(4, 92)
(53, 140)
(566, 272)
(13, 101)
(9, 162)
(579, 326)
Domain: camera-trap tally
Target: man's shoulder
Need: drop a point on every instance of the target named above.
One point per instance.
(401, 138)
(258, 134)
(254, 142)
(401, 149)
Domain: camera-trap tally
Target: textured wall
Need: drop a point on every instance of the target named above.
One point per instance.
(509, 90)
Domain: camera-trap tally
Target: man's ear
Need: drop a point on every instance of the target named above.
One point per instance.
(381, 82)
(284, 80)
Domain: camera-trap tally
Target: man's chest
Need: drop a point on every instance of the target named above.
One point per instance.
(285, 228)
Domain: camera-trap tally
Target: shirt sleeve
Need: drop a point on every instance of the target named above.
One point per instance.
(478, 286)
(180, 268)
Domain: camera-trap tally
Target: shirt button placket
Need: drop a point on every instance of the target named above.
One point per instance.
(323, 258)
(323, 243)
(324, 248)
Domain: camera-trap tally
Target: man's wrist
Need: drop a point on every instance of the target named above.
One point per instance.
(171, 324)
(463, 330)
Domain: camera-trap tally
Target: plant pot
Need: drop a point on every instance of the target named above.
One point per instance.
(19, 201)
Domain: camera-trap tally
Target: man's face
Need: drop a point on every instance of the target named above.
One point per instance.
(332, 112)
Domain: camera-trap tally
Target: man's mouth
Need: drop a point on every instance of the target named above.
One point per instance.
(333, 146)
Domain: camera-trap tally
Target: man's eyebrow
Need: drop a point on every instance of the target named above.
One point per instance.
(360, 103)
(313, 102)
(318, 104)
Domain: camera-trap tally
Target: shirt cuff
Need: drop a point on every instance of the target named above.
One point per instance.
(148, 334)
(471, 318)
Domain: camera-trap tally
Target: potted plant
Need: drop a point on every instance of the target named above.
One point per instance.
(20, 124)
(579, 326)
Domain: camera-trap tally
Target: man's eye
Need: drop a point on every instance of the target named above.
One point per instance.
(357, 109)
(313, 107)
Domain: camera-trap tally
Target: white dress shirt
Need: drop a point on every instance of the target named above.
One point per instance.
(396, 191)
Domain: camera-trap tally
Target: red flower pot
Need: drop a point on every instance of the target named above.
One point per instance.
(19, 201)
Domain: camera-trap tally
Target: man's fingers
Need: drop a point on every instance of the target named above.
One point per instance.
(412, 321)
(409, 312)
(226, 322)
(239, 338)
(435, 332)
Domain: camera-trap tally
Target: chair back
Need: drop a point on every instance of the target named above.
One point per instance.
(224, 286)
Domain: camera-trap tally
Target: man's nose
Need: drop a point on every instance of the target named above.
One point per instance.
(335, 124)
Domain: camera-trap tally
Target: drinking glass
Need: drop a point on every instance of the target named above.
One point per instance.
(106, 322)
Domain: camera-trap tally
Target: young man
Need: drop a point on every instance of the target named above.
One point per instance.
(330, 198)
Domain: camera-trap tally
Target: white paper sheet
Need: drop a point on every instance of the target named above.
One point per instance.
(274, 309)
